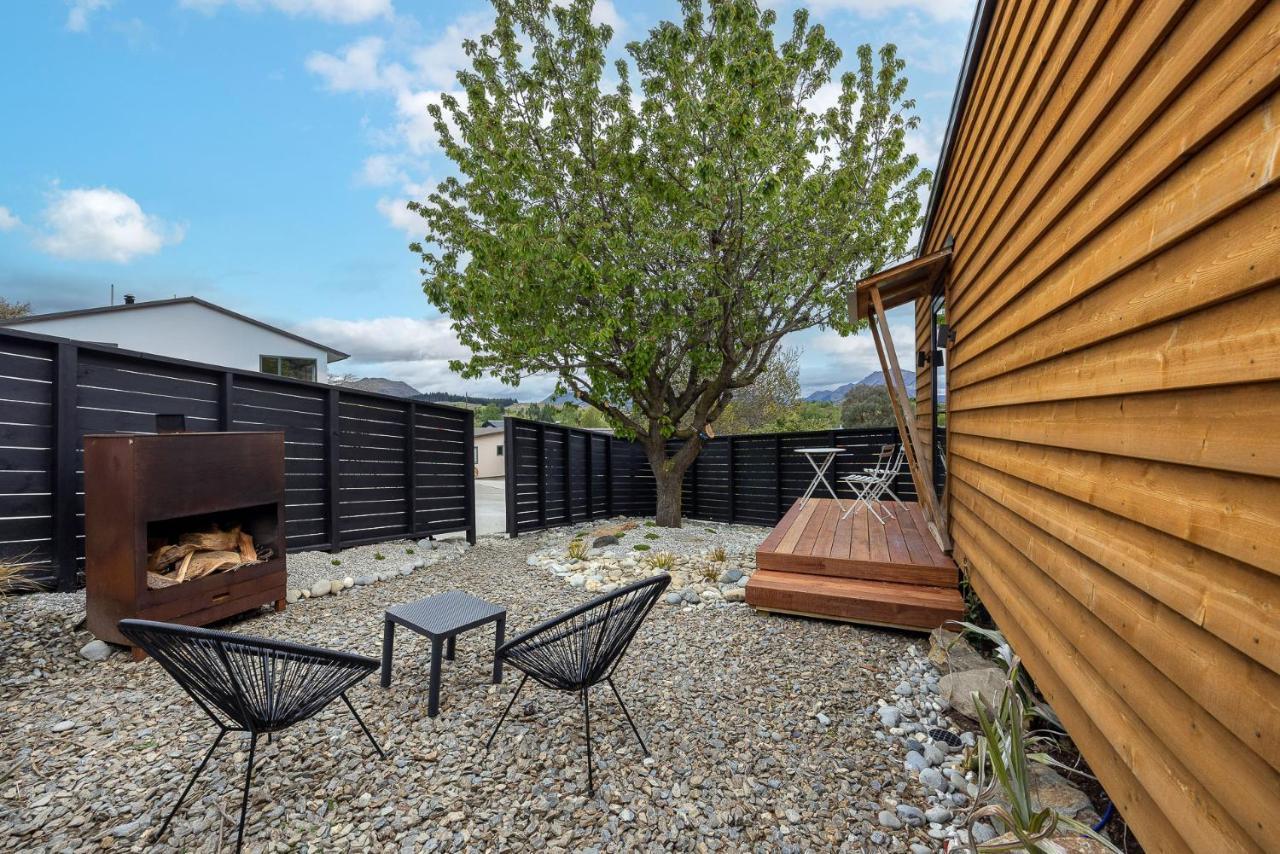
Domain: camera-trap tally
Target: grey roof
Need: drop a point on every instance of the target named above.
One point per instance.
(334, 355)
(487, 431)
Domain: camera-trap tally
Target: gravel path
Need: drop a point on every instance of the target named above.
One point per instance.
(763, 730)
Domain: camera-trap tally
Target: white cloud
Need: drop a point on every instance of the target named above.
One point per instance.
(337, 11)
(438, 63)
(8, 220)
(357, 69)
(381, 170)
(102, 224)
(78, 16)
(396, 213)
(941, 10)
(416, 127)
(829, 360)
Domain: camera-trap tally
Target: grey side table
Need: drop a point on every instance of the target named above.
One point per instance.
(441, 618)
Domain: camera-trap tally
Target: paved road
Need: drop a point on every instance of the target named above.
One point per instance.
(491, 505)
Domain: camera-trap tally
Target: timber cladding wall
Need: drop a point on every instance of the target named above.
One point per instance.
(359, 468)
(1115, 391)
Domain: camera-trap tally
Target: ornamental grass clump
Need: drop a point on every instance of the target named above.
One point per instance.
(578, 550)
(665, 561)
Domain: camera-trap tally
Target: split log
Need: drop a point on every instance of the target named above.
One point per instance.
(184, 566)
(166, 556)
(248, 554)
(155, 580)
(214, 541)
(203, 563)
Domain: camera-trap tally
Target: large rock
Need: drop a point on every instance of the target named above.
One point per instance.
(958, 689)
(951, 653)
(96, 650)
(606, 540)
(320, 588)
(1059, 794)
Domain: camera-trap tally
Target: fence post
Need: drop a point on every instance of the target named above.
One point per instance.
(226, 399)
(509, 454)
(568, 475)
(469, 441)
(692, 472)
(777, 476)
(608, 476)
(332, 451)
(411, 468)
(588, 465)
(732, 483)
(64, 465)
(542, 475)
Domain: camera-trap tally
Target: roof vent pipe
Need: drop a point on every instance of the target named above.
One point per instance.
(129, 299)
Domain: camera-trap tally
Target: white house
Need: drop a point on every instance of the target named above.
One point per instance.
(488, 453)
(192, 329)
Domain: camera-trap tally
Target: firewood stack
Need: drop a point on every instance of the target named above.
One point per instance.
(202, 553)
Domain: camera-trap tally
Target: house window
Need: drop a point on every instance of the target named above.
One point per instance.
(289, 366)
(475, 455)
(499, 450)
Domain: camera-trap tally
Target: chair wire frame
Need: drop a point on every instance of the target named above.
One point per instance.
(249, 684)
(876, 482)
(581, 647)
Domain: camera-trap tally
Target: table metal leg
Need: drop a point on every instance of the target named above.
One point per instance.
(388, 641)
(450, 647)
(433, 688)
(499, 635)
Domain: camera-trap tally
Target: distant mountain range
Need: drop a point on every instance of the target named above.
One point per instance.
(562, 399)
(835, 395)
(397, 388)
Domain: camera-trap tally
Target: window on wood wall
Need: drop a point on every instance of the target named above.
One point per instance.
(289, 366)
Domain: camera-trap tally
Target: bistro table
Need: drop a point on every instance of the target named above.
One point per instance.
(828, 456)
(441, 618)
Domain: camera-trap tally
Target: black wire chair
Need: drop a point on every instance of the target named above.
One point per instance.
(249, 684)
(581, 647)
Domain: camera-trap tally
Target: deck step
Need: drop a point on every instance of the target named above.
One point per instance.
(942, 574)
(855, 600)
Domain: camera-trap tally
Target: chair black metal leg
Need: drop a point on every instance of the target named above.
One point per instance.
(628, 714)
(248, 779)
(192, 782)
(511, 703)
(586, 713)
(356, 715)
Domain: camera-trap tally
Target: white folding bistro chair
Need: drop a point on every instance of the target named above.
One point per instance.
(876, 482)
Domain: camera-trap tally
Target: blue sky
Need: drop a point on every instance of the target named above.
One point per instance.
(257, 153)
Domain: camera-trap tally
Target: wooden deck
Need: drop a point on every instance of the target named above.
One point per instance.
(818, 564)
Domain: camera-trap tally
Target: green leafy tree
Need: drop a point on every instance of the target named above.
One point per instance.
(651, 246)
(488, 412)
(867, 406)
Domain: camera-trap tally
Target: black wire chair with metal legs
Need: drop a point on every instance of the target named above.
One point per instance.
(249, 684)
(581, 647)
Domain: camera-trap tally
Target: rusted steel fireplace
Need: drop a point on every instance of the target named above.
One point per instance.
(182, 527)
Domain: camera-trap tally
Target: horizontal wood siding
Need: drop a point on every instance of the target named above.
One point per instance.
(1114, 391)
(115, 391)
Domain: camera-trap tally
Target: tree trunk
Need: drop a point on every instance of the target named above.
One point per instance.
(668, 486)
(668, 478)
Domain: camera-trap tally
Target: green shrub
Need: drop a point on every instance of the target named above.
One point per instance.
(641, 547)
(336, 562)
(663, 560)
(408, 551)
(652, 536)
(577, 550)
(379, 556)
(651, 524)
(718, 554)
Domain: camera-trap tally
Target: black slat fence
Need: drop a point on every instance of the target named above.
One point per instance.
(751, 479)
(359, 468)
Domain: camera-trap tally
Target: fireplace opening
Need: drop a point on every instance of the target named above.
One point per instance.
(186, 548)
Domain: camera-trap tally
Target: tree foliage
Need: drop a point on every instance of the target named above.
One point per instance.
(13, 310)
(648, 237)
(867, 406)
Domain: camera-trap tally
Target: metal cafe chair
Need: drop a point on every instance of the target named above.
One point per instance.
(249, 684)
(876, 482)
(582, 647)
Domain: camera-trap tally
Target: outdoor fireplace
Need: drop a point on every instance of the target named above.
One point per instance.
(182, 527)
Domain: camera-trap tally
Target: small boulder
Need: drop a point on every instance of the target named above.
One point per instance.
(911, 815)
(674, 597)
(904, 689)
(691, 596)
(577, 580)
(951, 653)
(348, 583)
(889, 715)
(96, 650)
(889, 820)
(365, 580)
(606, 540)
(938, 815)
(931, 778)
(730, 576)
(292, 595)
(734, 594)
(915, 762)
(958, 689)
(321, 588)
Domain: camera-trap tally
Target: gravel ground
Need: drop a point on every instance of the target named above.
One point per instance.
(764, 734)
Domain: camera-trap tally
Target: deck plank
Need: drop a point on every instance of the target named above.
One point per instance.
(788, 543)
